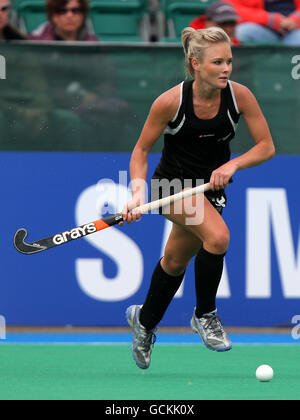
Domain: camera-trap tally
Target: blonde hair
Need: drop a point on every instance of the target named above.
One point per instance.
(195, 41)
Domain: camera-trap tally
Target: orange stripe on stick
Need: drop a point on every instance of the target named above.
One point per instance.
(100, 225)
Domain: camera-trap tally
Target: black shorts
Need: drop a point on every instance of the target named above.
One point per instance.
(218, 199)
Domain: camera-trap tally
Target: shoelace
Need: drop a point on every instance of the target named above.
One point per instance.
(215, 326)
(147, 340)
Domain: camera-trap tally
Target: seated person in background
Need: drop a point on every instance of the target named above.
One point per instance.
(7, 31)
(219, 14)
(67, 22)
(268, 20)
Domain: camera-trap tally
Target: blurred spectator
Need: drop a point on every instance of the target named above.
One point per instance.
(268, 20)
(7, 31)
(219, 14)
(67, 22)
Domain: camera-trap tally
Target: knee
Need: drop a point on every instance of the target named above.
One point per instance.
(292, 38)
(218, 242)
(173, 265)
(251, 32)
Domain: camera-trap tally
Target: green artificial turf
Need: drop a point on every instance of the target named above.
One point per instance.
(178, 372)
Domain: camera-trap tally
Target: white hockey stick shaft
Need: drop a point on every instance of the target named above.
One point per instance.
(163, 202)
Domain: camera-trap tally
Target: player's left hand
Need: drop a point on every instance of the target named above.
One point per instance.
(221, 177)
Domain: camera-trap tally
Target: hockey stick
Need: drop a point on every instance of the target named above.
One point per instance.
(89, 228)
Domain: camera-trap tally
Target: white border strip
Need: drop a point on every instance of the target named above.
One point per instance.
(234, 98)
(181, 100)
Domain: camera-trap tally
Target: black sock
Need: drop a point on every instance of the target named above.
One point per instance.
(208, 274)
(162, 290)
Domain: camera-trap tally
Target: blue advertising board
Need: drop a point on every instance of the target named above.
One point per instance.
(91, 281)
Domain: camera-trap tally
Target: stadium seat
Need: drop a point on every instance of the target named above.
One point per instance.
(120, 20)
(175, 15)
(30, 14)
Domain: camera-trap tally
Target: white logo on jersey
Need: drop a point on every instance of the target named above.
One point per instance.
(224, 138)
(202, 136)
(220, 202)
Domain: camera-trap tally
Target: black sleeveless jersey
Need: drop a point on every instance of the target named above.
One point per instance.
(194, 148)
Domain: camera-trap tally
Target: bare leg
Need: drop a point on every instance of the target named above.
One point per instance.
(184, 243)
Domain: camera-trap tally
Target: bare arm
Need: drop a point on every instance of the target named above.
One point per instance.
(162, 111)
(264, 148)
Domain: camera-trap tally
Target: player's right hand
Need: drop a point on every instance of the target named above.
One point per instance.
(129, 213)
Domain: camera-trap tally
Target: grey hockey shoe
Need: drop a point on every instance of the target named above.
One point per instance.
(210, 329)
(143, 340)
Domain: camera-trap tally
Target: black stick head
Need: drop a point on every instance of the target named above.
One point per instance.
(22, 246)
